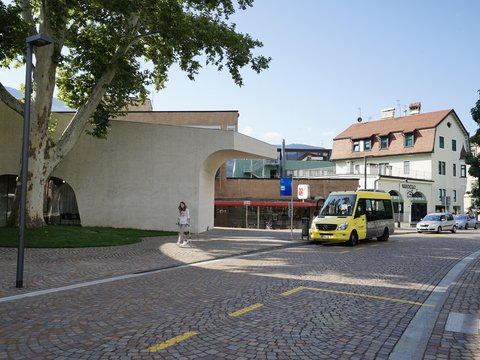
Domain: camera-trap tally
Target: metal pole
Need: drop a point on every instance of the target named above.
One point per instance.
(24, 169)
(365, 172)
(291, 213)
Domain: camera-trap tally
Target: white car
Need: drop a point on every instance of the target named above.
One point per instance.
(465, 221)
(437, 222)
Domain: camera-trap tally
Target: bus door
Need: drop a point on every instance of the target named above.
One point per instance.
(372, 221)
(360, 219)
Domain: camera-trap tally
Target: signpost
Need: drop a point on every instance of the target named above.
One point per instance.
(303, 191)
(286, 190)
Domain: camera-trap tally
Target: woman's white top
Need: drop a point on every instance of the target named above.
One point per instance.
(184, 217)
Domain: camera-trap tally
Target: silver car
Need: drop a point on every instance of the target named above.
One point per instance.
(465, 221)
(437, 222)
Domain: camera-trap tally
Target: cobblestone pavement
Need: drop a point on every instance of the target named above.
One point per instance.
(306, 302)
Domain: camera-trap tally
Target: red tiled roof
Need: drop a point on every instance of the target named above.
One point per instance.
(404, 124)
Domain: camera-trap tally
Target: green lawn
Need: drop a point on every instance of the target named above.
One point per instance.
(56, 236)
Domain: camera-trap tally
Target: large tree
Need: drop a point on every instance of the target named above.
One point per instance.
(97, 62)
(474, 160)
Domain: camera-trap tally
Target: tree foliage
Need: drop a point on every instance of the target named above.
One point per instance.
(474, 160)
(99, 56)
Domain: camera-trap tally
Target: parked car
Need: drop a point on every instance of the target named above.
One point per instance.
(465, 221)
(437, 222)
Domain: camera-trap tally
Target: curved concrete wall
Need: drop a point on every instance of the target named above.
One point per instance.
(138, 175)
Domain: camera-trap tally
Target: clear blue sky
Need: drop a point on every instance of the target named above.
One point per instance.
(330, 58)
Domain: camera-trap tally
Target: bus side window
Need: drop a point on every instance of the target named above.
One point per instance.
(369, 209)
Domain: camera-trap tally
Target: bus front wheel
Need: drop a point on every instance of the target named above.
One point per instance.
(353, 239)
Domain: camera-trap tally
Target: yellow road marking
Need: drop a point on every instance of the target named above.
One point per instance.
(300, 288)
(244, 310)
(369, 296)
(293, 291)
(172, 341)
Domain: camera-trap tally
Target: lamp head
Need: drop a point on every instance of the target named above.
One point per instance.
(39, 40)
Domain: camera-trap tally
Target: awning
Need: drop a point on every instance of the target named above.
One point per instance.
(296, 204)
(397, 199)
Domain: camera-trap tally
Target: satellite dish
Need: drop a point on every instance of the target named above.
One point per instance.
(359, 119)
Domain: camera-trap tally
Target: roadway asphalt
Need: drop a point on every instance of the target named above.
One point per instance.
(447, 328)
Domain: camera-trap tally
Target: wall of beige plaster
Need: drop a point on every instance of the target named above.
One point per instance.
(137, 176)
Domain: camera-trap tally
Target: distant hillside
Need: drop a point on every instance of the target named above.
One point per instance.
(57, 105)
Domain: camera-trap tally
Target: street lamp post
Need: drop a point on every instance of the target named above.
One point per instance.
(37, 40)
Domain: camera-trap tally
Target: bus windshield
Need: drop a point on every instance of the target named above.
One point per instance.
(338, 205)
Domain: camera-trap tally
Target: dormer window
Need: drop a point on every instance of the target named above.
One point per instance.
(367, 144)
(383, 142)
(408, 140)
(356, 146)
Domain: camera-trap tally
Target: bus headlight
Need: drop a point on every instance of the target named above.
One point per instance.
(343, 226)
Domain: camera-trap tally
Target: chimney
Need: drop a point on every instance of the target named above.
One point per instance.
(414, 108)
(388, 113)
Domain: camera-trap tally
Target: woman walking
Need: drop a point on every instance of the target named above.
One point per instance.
(183, 222)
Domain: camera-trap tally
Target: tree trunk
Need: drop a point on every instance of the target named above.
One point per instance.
(38, 175)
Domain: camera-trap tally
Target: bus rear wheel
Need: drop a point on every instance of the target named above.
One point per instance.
(353, 241)
(385, 236)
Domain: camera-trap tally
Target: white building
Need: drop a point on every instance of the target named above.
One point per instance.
(419, 159)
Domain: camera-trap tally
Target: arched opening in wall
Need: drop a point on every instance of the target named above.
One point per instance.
(60, 206)
(8, 184)
(419, 206)
(398, 206)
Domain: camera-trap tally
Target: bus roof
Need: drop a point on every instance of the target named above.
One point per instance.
(376, 194)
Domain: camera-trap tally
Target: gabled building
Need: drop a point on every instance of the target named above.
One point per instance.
(419, 159)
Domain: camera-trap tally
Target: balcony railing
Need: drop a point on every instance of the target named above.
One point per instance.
(371, 170)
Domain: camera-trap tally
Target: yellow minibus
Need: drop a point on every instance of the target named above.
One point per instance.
(350, 216)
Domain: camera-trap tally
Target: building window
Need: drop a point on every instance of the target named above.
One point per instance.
(442, 194)
(441, 168)
(463, 171)
(408, 140)
(356, 146)
(382, 168)
(454, 195)
(454, 169)
(406, 167)
(367, 144)
(441, 142)
(384, 142)
(454, 145)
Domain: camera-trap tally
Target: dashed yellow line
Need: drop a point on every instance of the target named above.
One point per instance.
(293, 291)
(172, 341)
(245, 310)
